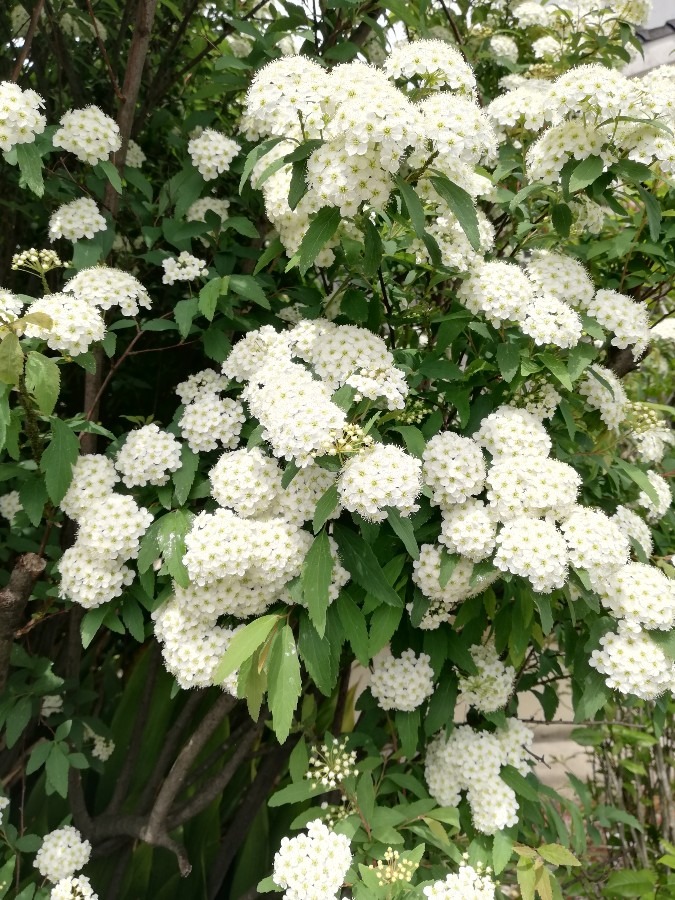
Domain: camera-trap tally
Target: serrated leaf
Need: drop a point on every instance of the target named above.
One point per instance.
(416, 212)
(111, 173)
(360, 561)
(557, 368)
(257, 153)
(184, 313)
(325, 508)
(508, 360)
(321, 229)
(11, 359)
(30, 165)
(354, 624)
(640, 479)
(249, 288)
(461, 206)
(383, 624)
(58, 460)
(403, 528)
(183, 478)
(579, 358)
(557, 855)
(561, 216)
(18, 717)
(317, 572)
(585, 173)
(244, 643)
(208, 297)
(274, 249)
(57, 766)
(43, 380)
(33, 496)
(284, 682)
(502, 851)
(132, 617)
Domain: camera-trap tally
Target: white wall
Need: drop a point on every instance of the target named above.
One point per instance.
(662, 10)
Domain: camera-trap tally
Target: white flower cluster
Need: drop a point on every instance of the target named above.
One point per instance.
(75, 220)
(88, 133)
(105, 287)
(62, 853)
(626, 318)
(453, 468)
(467, 884)
(330, 763)
(10, 505)
(212, 152)
(312, 866)
(503, 45)
(402, 682)
(192, 647)
(378, 478)
(148, 456)
(461, 585)
(641, 595)
(184, 267)
(199, 210)
(10, 306)
(650, 433)
(603, 391)
(470, 761)
(534, 549)
(20, 116)
(111, 526)
(135, 155)
(436, 64)
(634, 528)
(504, 292)
(633, 663)
(73, 888)
(492, 685)
(468, 529)
(595, 543)
(71, 323)
(208, 419)
(656, 509)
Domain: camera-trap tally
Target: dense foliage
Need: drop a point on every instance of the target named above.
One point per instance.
(335, 402)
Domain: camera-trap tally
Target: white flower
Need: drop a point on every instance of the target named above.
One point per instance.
(148, 456)
(20, 116)
(75, 324)
(312, 866)
(492, 685)
(633, 663)
(135, 156)
(62, 853)
(75, 220)
(402, 682)
(453, 467)
(378, 478)
(10, 306)
(88, 133)
(78, 888)
(467, 884)
(10, 505)
(212, 152)
(184, 267)
(105, 287)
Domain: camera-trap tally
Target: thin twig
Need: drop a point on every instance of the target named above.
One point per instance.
(104, 53)
(28, 40)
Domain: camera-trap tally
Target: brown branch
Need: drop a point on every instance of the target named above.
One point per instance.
(220, 781)
(104, 53)
(13, 599)
(136, 827)
(184, 761)
(28, 40)
(621, 362)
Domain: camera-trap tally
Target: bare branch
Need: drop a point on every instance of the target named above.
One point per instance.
(28, 40)
(13, 599)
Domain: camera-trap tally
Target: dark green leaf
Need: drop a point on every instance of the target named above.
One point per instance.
(30, 165)
(184, 313)
(561, 216)
(247, 286)
(579, 358)
(208, 297)
(403, 528)
(519, 783)
(653, 208)
(508, 360)
(91, 622)
(585, 173)
(317, 572)
(448, 563)
(383, 623)
(184, 477)
(257, 153)
(354, 624)
(360, 561)
(557, 368)
(325, 508)
(299, 186)
(58, 460)
(630, 883)
(413, 439)
(132, 617)
(57, 770)
(321, 229)
(373, 250)
(111, 173)
(17, 719)
(33, 496)
(416, 212)
(461, 205)
(274, 249)
(408, 726)
(284, 682)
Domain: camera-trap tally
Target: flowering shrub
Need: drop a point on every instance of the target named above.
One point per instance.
(393, 475)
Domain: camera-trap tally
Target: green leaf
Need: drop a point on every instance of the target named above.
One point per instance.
(557, 855)
(416, 212)
(170, 537)
(241, 225)
(557, 368)
(33, 496)
(298, 187)
(7, 870)
(372, 248)
(585, 173)
(461, 206)
(244, 644)
(403, 528)
(633, 171)
(502, 851)
(208, 297)
(247, 286)
(413, 439)
(579, 359)
(630, 883)
(58, 460)
(11, 358)
(184, 477)
(17, 719)
(91, 622)
(274, 249)
(653, 209)
(132, 617)
(184, 313)
(448, 563)
(561, 216)
(111, 173)
(383, 624)
(30, 166)
(360, 561)
(321, 229)
(508, 360)
(284, 682)
(38, 757)
(321, 656)
(317, 572)
(325, 508)
(57, 770)
(354, 624)
(43, 380)
(640, 479)
(519, 783)
(253, 157)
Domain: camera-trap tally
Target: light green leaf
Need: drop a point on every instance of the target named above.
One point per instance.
(360, 561)
(321, 229)
(58, 460)
(557, 368)
(244, 644)
(519, 783)
(354, 624)
(11, 358)
(208, 297)
(257, 153)
(57, 770)
(111, 173)
(461, 206)
(448, 563)
(317, 572)
(284, 682)
(7, 873)
(91, 622)
(640, 479)
(579, 359)
(30, 165)
(17, 719)
(170, 536)
(132, 616)
(33, 496)
(43, 380)
(585, 173)
(653, 209)
(502, 851)
(184, 313)
(557, 855)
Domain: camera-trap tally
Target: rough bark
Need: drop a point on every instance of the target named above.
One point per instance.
(13, 599)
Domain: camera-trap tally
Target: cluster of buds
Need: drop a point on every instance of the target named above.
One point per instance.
(37, 261)
(393, 868)
(641, 417)
(330, 764)
(350, 440)
(332, 814)
(415, 412)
